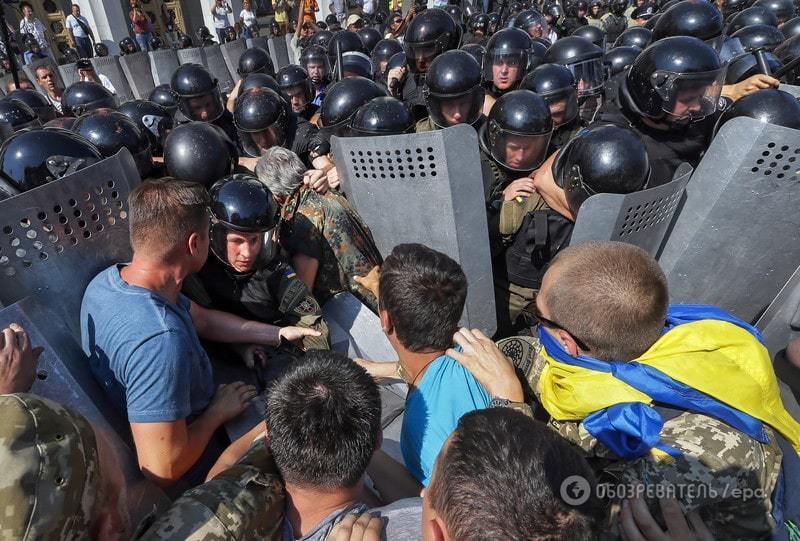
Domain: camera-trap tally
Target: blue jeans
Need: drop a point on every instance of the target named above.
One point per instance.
(143, 40)
(84, 47)
(220, 35)
(246, 33)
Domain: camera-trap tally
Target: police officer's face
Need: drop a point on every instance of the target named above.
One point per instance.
(243, 250)
(264, 140)
(202, 107)
(558, 110)
(519, 151)
(688, 102)
(423, 56)
(297, 97)
(456, 111)
(316, 72)
(505, 72)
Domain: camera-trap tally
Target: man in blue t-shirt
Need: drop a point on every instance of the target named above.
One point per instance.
(142, 336)
(422, 295)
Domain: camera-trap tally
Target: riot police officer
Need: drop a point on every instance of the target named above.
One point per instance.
(315, 61)
(585, 60)
(152, 119)
(342, 101)
(381, 53)
(505, 60)
(296, 87)
(615, 22)
(575, 16)
(127, 46)
(453, 92)
(18, 115)
(556, 84)
(245, 276)
(163, 96)
(255, 60)
(110, 131)
(199, 99)
(43, 109)
(85, 96)
(199, 152)
(382, 116)
(478, 29)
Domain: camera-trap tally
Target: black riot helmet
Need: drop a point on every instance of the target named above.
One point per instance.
(18, 114)
(635, 36)
(382, 116)
(184, 41)
(618, 7)
(43, 109)
(199, 152)
(537, 53)
(452, 90)
(518, 130)
(696, 18)
(646, 12)
(750, 16)
(85, 96)
(344, 41)
(583, 58)
(506, 56)
(786, 52)
(383, 51)
(732, 7)
(533, 22)
(554, 10)
(397, 60)
(355, 63)
(759, 36)
(315, 61)
(746, 65)
(455, 12)
(791, 27)
(619, 59)
(592, 33)
(63, 122)
(494, 22)
(479, 23)
(71, 55)
(676, 79)
(255, 60)
(127, 46)
(428, 35)
(197, 93)
(110, 131)
(342, 100)
(369, 37)
(477, 51)
(770, 105)
(293, 81)
(163, 95)
(604, 159)
(556, 84)
(101, 49)
(782, 9)
(259, 80)
(152, 119)
(156, 43)
(262, 117)
(33, 157)
(321, 38)
(241, 203)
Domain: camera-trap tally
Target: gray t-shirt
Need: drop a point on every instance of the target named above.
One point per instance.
(402, 521)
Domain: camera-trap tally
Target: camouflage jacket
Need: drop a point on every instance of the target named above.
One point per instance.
(721, 472)
(327, 228)
(246, 501)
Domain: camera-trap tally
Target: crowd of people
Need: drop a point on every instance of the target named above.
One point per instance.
(596, 410)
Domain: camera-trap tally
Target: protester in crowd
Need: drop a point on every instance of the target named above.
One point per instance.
(219, 12)
(142, 27)
(247, 19)
(32, 50)
(80, 32)
(23, 83)
(46, 78)
(32, 26)
(86, 72)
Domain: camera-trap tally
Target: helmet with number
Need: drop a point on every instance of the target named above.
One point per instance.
(382, 116)
(261, 116)
(199, 152)
(342, 100)
(259, 80)
(18, 114)
(370, 37)
(518, 130)
(292, 78)
(791, 27)
(101, 49)
(111, 131)
(163, 95)
(506, 58)
(31, 158)
(197, 93)
(636, 36)
(782, 9)
(43, 109)
(452, 90)
(127, 46)
(255, 60)
(533, 22)
(619, 59)
(583, 58)
(592, 33)
(603, 159)
(676, 79)
(152, 119)
(750, 16)
(156, 43)
(556, 84)
(85, 96)
(479, 23)
(696, 18)
(240, 203)
(344, 41)
(383, 51)
(771, 106)
(315, 61)
(428, 35)
(759, 36)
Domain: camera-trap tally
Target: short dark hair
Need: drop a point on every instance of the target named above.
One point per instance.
(25, 4)
(164, 212)
(612, 295)
(424, 292)
(324, 420)
(500, 476)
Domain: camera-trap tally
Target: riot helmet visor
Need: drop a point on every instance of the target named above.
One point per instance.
(689, 95)
(449, 110)
(589, 75)
(519, 152)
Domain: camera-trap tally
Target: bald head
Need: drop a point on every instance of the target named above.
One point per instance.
(612, 296)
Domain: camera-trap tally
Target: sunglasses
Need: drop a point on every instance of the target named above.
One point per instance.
(533, 316)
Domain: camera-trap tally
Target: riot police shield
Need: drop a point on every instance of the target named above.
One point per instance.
(193, 55)
(218, 67)
(163, 64)
(289, 49)
(231, 53)
(258, 42)
(69, 73)
(136, 68)
(279, 52)
(110, 67)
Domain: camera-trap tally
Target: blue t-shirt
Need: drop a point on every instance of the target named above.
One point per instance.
(446, 391)
(144, 350)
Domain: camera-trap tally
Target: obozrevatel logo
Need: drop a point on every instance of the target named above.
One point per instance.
(575, 490)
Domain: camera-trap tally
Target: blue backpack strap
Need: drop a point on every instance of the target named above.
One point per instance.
(786, 497)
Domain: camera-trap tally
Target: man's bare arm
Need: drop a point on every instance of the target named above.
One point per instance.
(228, 328)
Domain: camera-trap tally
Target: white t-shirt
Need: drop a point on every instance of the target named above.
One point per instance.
(220, 17)
(77, 29)
(248, 17)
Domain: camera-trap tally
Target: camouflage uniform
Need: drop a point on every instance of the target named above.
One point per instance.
(50, 470)
(328, 229)
(246, 501)
(426, 125)
(717, 464)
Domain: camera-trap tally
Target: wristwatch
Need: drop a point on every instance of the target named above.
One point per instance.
(521, 407)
